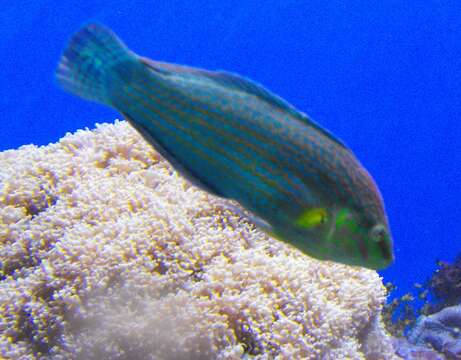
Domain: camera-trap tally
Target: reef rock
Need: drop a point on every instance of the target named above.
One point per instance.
(409, 351)
(441, 330)
(107, 253)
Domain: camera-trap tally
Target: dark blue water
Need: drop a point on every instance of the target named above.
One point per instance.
(383, 76)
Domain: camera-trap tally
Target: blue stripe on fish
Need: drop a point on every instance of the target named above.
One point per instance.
(180, 136)
(235, 138)
(278, 182)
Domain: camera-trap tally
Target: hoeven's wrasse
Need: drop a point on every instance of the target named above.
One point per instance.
(235, 139)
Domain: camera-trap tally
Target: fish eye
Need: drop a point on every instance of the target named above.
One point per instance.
(378, 233)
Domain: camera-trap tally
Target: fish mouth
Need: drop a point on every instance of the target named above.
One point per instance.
(381, 236)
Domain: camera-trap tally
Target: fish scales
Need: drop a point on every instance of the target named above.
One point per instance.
(198, 135)
(200, 129)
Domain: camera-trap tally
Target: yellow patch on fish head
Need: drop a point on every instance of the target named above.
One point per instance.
(312, 218)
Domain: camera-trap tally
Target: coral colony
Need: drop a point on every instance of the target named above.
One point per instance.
(107, 251)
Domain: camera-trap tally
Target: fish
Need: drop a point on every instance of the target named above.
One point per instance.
(235, 139)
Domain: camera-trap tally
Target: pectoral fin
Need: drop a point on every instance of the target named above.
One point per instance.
(259, 222)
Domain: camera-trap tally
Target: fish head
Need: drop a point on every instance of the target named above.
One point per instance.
(344, 235)
(360, 240)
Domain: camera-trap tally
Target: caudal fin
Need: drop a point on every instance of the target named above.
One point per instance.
(86, 66)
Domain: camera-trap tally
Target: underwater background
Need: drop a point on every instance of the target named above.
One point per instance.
(383, 77)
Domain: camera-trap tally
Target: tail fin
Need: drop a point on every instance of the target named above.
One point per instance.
(86, 66)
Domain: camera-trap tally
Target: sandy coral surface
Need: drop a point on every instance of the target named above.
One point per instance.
(107, 253)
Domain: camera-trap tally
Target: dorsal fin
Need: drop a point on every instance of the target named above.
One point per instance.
(303, 117)
(243, 84)
(224, 78)
(250, 87)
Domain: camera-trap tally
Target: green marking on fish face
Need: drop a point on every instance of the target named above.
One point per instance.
(341, 235)
(364, 243)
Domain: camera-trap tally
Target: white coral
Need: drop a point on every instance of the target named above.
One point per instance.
(107, 253)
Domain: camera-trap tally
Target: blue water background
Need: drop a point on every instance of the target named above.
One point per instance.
(385, 76)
